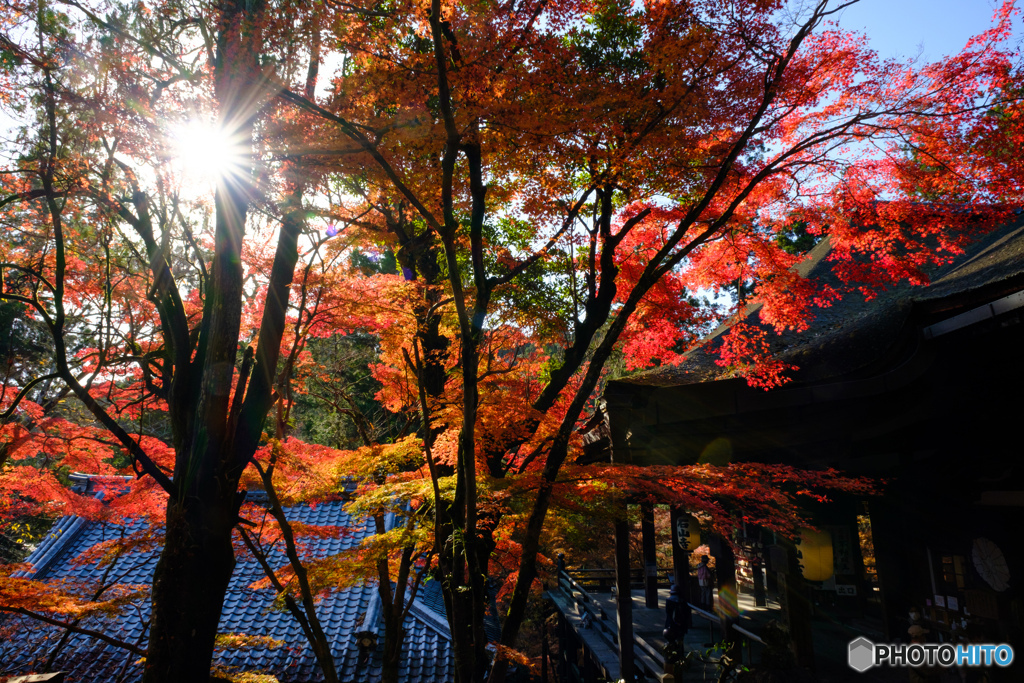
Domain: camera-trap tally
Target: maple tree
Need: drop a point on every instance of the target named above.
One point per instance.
(163, 311)
(560, 182)
(292, 472)
(583, 172)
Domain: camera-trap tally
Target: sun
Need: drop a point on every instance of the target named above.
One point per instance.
(204, 154)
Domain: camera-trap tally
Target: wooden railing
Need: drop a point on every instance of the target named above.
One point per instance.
(746, 637)
(602, 580)
(646, 655)
(579, 587)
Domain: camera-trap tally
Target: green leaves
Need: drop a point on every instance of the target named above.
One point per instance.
(611, 43)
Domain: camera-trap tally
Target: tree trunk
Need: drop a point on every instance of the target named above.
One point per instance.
(197, 561)
(459, 609)
(189, 584)
(394, 636)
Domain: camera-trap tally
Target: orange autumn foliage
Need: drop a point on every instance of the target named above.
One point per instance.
(564, 185)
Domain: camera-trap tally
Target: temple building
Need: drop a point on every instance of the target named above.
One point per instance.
(920, 388)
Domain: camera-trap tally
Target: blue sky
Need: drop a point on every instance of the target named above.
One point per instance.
(903, 28)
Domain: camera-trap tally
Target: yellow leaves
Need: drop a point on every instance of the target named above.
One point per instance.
(224, 673)
(393, 497)
(390, 545)
(373, 463)
(247, 641)
(353, 566)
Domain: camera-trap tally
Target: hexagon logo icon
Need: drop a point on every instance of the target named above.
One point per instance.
(862, 654)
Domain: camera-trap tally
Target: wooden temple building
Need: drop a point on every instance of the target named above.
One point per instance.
(920, 388)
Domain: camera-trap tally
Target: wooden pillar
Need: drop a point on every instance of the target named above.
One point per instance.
(563, 648)
(755, 536)
(725, 572)
(796, 607)
(624, 610)
(544, 651)
(894, 545)
(757, 569)
(650, 555)
(681, 521)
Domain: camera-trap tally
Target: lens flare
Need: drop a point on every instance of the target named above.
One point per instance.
(204, 153)
(728, 605)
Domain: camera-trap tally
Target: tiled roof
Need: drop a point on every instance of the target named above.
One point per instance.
(430, 596)
(427, 655)
(430, 602)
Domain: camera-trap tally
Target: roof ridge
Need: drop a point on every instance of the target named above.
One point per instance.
(429, 617)
(58, 539)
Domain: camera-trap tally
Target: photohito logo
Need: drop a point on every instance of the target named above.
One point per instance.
(864, 654)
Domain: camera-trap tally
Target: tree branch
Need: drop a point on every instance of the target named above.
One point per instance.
(76, 629)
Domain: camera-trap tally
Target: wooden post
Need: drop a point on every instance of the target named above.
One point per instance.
(544, 651)
(681, 554)
(650, 555)
(725, 571)
(562, 672)
(796, 607)
(757, 569)
(624, 610)
(755, 537)
(891, 529)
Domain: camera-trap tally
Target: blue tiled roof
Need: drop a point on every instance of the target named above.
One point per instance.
(430, 597)
(427, 654)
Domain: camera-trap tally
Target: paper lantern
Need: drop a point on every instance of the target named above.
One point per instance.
(688, 531)
(816, 551)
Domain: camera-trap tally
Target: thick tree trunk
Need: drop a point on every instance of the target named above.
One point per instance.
(197, 561)
(465, 605)
(460, 620)
(188, 592)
